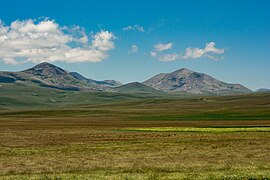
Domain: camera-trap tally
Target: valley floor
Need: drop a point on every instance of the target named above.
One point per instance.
(190, 138)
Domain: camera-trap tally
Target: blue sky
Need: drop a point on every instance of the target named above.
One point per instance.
(240, 31)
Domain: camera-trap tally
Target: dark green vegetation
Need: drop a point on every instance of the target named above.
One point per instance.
(13, 96)
(50, 134)
(136, 87)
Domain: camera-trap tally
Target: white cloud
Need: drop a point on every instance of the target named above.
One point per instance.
(103, 41)
(210, 51)
(159, 48)
(133, 49)
(30, 41)
(163, 47)
(10, 61)
(134, 28)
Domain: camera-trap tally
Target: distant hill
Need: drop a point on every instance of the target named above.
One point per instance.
(15, 95)
(263, 90)
(185, 80)
(136, 87)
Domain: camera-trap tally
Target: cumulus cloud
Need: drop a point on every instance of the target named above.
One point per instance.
(134, 28)
(133, 49)
(30, 41)
(210, 51)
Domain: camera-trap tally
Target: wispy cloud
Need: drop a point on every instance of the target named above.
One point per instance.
(163, 47)
(209, 51)
(134, 28)
(134, 49)
(45, 40)
(168, 57)
(159, 48)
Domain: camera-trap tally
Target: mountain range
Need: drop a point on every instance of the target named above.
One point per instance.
(182, 80)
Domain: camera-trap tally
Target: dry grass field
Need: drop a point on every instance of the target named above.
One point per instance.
(151, 138)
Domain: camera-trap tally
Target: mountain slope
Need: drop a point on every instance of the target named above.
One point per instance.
(106, 83)
(185, 80)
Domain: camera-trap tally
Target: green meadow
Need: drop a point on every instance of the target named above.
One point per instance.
(82, 135)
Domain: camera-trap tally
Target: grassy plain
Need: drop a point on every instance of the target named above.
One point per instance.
(136, 137)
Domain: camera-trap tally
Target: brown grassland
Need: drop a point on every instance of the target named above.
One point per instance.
(97, 141)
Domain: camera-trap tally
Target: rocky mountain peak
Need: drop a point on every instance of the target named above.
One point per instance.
(185, 80)
(183, 71)
(44, 69)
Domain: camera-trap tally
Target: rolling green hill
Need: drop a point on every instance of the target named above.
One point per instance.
(31, 96)
(169, 107)
(136, 87)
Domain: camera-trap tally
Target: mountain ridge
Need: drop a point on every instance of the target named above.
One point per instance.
(110, 83)
(182, 80)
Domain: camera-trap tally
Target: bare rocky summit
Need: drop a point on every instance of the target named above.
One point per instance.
(185, 80)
